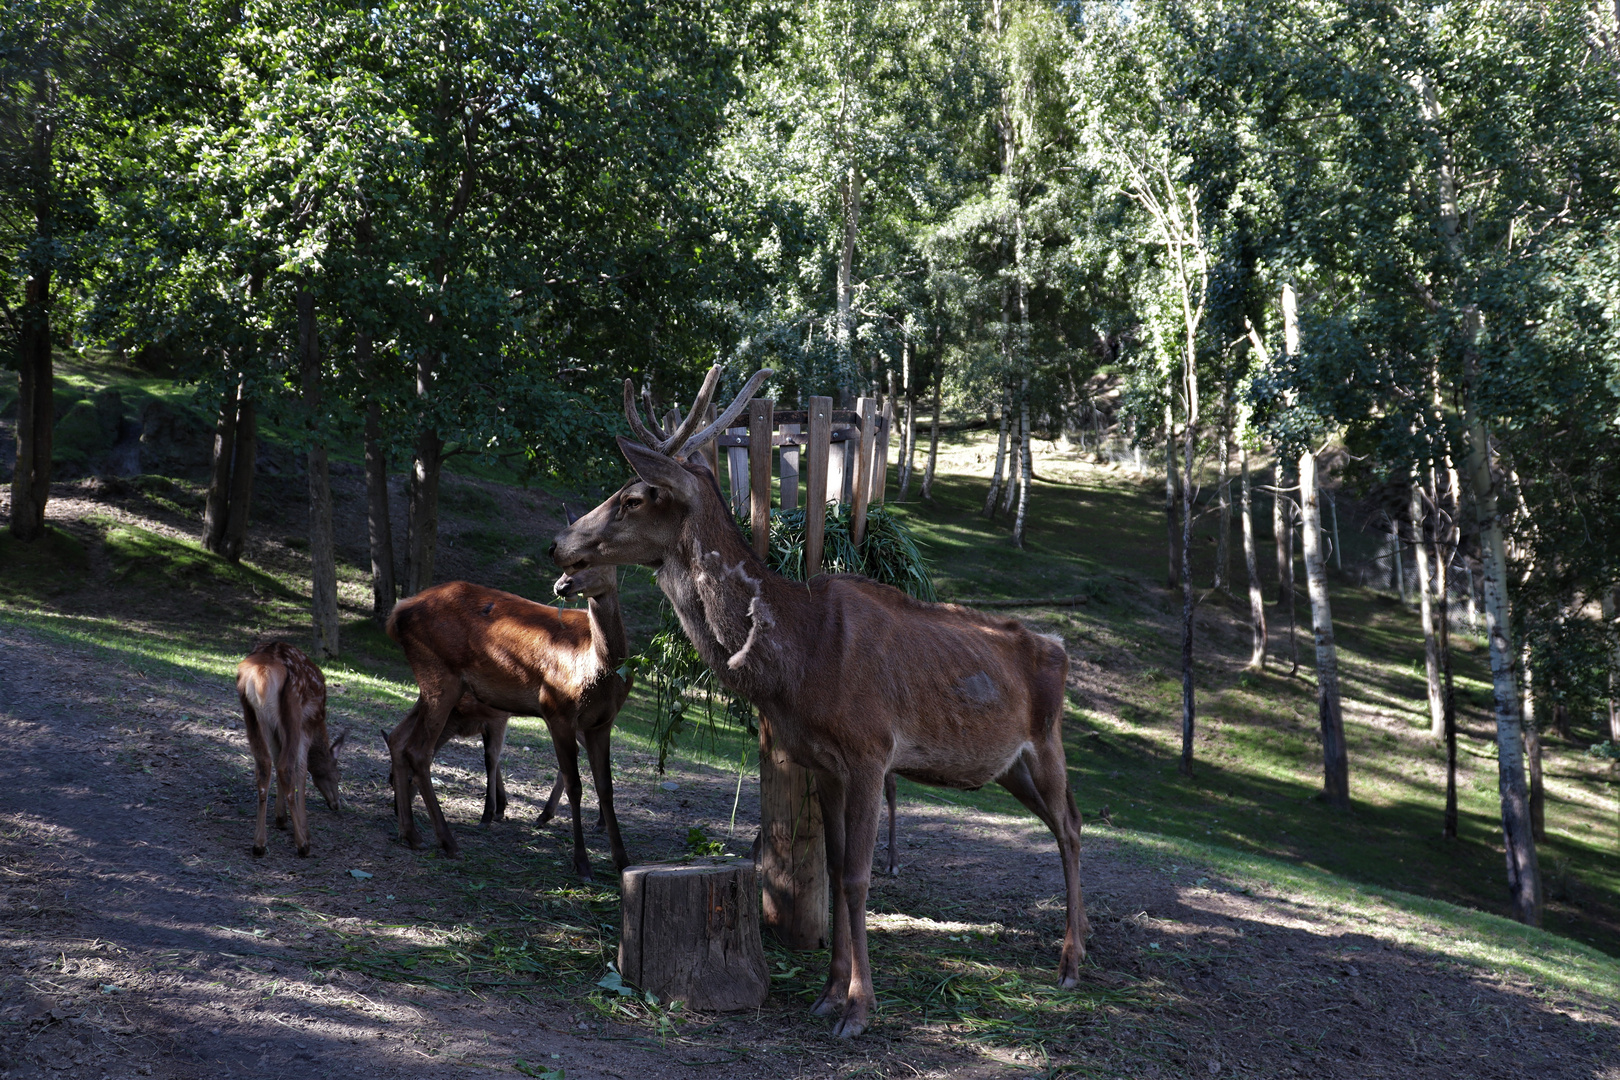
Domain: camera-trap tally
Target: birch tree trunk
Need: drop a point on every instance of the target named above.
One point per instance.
(1335, 756)
(1001, 454)
(1025, 469)
(1015, 458)
(1614, 668)
(1532, 750)
(1188, 601)
(322, 551)
(908, 441)
(1223, 495)
(1421, 530)
(1524, 873)
(1279, 530)
(933, 434)
(1171, 577)
(1257, 601)
(849, 191)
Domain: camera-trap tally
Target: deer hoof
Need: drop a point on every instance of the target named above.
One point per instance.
(849, 1027)
(1069, 982)
(544, 818)
(824, 1005)
(303, 852)
(258, 852)
(281, 823)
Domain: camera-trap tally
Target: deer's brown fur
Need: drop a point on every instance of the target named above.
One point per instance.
(283, 698)
(511, 656)
(855, 678)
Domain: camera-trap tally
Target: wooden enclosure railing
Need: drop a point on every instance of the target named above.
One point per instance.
(842, 454)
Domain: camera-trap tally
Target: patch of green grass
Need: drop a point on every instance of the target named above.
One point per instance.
(141, 557)
(53, 564)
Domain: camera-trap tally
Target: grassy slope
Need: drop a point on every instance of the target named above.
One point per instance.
(1250, 813)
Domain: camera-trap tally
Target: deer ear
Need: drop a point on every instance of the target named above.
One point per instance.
(659, 470)
(384, 733)
(337, 742)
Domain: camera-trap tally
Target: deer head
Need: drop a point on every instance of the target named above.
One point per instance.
(590, 582)
(643, 521)
(323, 768)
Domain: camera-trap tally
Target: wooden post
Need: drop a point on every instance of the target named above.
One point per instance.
(711, 450)
(691, 934)
(790, 468)
(792, 849)
(737, 473)
(880, 475)
(863, 468)
(760, 421)
(815, 506)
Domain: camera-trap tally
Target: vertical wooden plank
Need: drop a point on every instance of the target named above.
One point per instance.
(863, 468)
(790, 469)
(835, 467)
(760, 421)
(880, 475)
(737, 473)
(815, 502)
(711, 451)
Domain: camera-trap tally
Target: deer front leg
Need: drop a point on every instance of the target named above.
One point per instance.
(562, 740)
(494, 788)
(295, 769)
(549, 811)
(830, 793)
(862, 807)
(598, 751)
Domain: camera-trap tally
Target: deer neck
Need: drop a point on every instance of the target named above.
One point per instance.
(608, 639)
(733, 607)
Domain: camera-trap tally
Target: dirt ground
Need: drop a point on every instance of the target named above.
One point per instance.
(139, 938)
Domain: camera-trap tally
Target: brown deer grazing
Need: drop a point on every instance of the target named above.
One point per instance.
(284, 710)
(856, 678)
(512, 656)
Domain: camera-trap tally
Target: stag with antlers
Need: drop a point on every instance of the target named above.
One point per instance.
(512, 656)
(855, 678)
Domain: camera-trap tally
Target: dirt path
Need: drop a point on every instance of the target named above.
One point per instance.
(138, 938)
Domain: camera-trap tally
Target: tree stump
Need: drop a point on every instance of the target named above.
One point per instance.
(792, 850)
(691, 934)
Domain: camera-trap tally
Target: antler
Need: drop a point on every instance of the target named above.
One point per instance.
(724, 420)
(682, 436)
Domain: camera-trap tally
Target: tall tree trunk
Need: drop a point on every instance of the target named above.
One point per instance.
(217, 504)
(36, 411)
(1026, 467)
(1335, 756)
(243, 464)
(1397, 569)
(1609, 614)
(322, 551)
(849, 191)
(1189, 704)
(1421, 543)
(1171, 575)
(1279, 529)
(1223, 498)
(933, 434)
(1015, 456)
(1449, 706)
(378, 522)
(1293, 621)
(1251, 563)
(908, 441)
(1001, 452)
(1524, 872)
(1532, 750)
(424, 511)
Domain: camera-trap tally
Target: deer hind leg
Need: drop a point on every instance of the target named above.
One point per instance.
(863, 804)
(597, 742)
(563, 741)
(550, 809)
(494, 786)
(262, 767)
(835, 993)
(889, 793)
(1040, 781)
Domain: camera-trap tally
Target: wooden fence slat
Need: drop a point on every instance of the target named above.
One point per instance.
(711, 453)
(759, 472)
(815, 504)
(863, 468)
(790, 467)
(737, 472)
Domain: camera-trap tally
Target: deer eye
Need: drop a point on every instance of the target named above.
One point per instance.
(632, 502)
